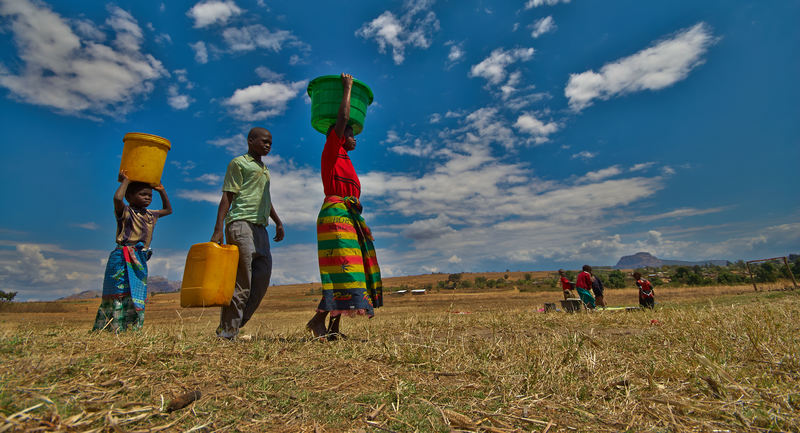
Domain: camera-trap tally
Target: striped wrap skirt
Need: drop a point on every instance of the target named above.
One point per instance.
(348, 267)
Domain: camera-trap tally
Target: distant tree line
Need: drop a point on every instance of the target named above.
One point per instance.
(7, 296)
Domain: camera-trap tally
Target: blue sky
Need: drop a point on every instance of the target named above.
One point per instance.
(528, 135)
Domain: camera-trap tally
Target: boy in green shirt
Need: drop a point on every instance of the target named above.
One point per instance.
(244, 210)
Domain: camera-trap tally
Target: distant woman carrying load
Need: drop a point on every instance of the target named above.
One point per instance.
(351, 278)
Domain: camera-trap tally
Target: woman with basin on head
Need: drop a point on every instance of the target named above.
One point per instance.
(351, 278)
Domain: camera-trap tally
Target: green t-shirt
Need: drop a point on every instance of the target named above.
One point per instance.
(249, 181)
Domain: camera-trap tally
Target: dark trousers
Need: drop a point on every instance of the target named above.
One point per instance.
(252, 275)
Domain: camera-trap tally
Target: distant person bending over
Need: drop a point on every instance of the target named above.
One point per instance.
(566, 284)
(125, 281)
(598, 289)
(646, 295)
(351, 278)
(584, 285)
(244, 210)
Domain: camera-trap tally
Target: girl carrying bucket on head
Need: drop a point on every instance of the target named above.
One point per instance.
(125, 282)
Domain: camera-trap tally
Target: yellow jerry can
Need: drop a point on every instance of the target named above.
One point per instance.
(209, 275)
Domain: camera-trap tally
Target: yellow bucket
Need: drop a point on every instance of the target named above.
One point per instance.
(143, 156)
(209, 276)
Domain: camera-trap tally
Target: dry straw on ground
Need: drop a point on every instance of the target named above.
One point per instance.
(717, 359)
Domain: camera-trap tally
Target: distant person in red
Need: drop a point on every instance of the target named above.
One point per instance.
(584, 286)
(646, 295)
(566, 284)
(349, 272)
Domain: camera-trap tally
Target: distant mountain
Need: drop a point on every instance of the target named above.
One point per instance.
(86, 294)
(156, 284)
(643, 259)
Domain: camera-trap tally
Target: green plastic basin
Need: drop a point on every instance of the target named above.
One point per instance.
(326, 95)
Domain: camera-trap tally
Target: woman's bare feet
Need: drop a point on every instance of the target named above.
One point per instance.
(333, 329)
(317, 325)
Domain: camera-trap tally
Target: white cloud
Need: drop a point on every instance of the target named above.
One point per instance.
(585, 155)
(75, 76)
(536, 3)
(266, 73)
(680, 213)
(414, 27)
(494, 68)
(210, 12)
(428, 229)
(176, 100)
(595, 176)
(435, 118)
(200, 52)
(456, 54)
(661, 65)
(235, 145)
(261, 101)
(200, 195)
(33, 265)
(184, 166)
(91, 225)
(531, 125)
(542, 26)
(641, 166)
(256, 36)
(454, 259)
(210, 179)
(418, 148)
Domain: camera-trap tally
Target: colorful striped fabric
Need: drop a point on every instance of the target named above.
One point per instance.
(349, 271)
(124, 289)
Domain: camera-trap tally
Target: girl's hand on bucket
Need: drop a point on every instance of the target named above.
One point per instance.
(123, 175)
(159, 188)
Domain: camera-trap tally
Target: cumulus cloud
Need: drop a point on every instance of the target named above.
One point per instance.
(206, 13)
(540, 130)
(256, 36)
(661, 65)
(585, 155)
(73, 75)
(235, 145)
(542, 26)
(456, 54)
(177, 100)
(266, 73)
(200, 195)
(594, 176)
(200, 52)
(530, 4)
(261, 101)
(417, 148)
(414, 26)
(495, 68)
(210, 179)
(91, 225)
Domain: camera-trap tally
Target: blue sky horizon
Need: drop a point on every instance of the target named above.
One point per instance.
(526, 135)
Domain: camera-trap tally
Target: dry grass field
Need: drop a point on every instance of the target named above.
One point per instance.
(709, 359)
